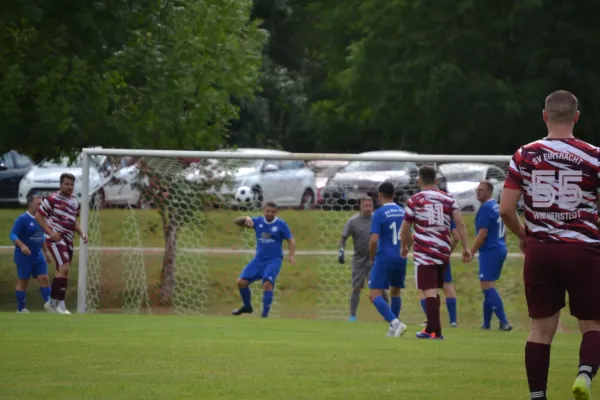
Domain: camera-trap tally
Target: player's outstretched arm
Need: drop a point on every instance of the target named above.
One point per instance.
(14, 237)
(508, 212)
(373, 246)
(479, 240)
(461, 228)
(292, 250)
(244, 222)
(455, 239)
(406, 238)
(80, 232)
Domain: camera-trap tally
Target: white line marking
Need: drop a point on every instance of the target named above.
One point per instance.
(216, 250)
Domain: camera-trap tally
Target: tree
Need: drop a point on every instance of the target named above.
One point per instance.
(150, 73)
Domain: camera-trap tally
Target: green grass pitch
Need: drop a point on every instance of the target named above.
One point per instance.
(291, 356)
(173, 357)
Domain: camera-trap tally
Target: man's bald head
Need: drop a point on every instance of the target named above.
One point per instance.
(561, 107)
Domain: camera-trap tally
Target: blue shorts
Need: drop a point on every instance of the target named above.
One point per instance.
(265, 269)
(31, 266)
(490, 263)
(448, 274)
(385, 275)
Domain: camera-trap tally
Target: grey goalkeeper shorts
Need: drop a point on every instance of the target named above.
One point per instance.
(360, 273)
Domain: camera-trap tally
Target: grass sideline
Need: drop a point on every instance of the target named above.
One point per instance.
(122, 357)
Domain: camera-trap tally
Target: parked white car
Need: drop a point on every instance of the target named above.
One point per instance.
(462, 180)
(288, 183)
(44, 178)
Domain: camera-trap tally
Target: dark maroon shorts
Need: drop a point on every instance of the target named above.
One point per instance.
(62, 252)
(430, 276)
(554, 269)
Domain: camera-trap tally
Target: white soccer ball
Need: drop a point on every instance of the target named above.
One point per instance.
(244, 195)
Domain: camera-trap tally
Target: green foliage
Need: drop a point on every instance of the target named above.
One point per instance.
(148, 73)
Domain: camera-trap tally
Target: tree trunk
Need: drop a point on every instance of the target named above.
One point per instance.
(167, 276)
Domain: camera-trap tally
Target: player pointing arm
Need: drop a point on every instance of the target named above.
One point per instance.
(266, 264)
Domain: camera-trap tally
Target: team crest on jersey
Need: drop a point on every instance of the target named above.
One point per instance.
(265, 235)
(260, 226)
(274, 229)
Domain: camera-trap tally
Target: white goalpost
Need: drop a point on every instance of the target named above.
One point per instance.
(162, 238)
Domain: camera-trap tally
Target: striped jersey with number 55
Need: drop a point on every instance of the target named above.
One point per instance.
(386, 223)
(430, 212)
(560, 179)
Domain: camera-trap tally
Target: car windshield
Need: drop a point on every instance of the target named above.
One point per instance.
(463, 176)
(372, 166)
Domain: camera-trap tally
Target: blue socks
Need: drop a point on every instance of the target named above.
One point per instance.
(267, 301)
(245, 294)
(451, 304)
(20, 295)
(424, 306)
(493, 304)
(384, 309)
(45, 292)
(396, 306)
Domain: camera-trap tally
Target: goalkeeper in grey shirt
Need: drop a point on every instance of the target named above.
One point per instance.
(359, 228)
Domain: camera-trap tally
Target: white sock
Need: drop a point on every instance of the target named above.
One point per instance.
(62, 304)
(53, 302)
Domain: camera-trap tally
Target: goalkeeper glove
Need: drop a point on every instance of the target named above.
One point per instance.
(341, 256)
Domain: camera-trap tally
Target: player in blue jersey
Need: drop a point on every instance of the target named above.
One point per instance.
(30, 254)
(270, 234)
(491, 244)
(449, 290)
(389, 268)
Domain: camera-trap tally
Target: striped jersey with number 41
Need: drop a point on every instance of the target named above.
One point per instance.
(430, 212)
(560, 179)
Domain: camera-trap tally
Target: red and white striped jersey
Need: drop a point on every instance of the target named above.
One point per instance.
(430, 212)
(61, 213)
(560, 179)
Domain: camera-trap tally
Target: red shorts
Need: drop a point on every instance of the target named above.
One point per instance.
(62, 252)
(553, 269)
(430, 276)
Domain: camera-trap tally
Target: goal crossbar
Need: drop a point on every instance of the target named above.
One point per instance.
(412, 157)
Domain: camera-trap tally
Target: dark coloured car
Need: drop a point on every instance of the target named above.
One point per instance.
(13, 167)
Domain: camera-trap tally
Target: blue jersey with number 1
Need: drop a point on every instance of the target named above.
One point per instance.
(488, 217)
(386, 223)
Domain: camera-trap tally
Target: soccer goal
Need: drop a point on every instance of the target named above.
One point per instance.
(162, 237)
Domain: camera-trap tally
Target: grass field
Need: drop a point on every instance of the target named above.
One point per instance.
(172, 357)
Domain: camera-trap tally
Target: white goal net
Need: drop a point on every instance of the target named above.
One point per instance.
(162, 237)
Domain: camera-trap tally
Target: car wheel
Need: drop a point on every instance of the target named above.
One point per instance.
(257, 197)
(308, 200)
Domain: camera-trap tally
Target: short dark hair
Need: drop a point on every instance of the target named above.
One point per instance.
(32, 197)
(365, 198)
(271, 204)
(427, 174)
(387, 189)
(67, 175)
(489, 185)
(561, 106)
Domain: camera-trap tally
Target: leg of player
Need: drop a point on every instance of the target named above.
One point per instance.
(246, 308)
(450, 294)
(378, 282)
(423, 306)
(589, 359)
(267, 298)
(40, 272)
(430, 278)
(354, 301)
(537, 354)
(20, 293)
(396, 301)
(59, 289)
(492, 303)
